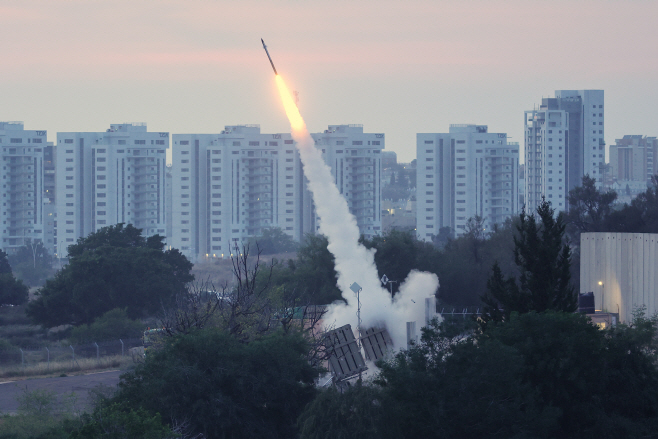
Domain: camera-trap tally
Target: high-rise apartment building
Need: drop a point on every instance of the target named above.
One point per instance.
(564, 140)
(229, 187)
(463, 173)
(109, 177)
(21, 185)
(631, 158)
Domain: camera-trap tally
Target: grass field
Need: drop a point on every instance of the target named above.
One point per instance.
(65, 367)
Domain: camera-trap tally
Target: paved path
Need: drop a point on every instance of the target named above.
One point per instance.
(80, 384)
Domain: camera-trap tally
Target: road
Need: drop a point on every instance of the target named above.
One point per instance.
(79, 384)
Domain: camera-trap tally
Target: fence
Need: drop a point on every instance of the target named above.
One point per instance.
(63, 353)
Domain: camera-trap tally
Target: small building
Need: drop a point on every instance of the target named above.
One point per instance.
(621, 269)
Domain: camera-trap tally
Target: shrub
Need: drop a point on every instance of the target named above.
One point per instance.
(113, 324)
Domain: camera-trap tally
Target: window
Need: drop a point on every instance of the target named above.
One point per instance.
(100, 212)
(69, 169)
(140, 142)
(101, 186)
(429, 184)
(429, 142)
(68, 140)
(102, 195)
(159, 142)
(69, 186)
(101, 150)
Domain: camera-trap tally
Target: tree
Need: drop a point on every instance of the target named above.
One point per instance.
(398, 252)
(224, 388)
(589, 208)
(640, 216)
(111, 325)
(536, 375)
(543, 259)
(113, 268)
(274, 240)
(312, 276)
(4, 263)
(32, 263)
(12, 290)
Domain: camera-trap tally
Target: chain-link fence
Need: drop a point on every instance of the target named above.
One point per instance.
(63, 353)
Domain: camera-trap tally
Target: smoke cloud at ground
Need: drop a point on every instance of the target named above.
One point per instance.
(354, 262)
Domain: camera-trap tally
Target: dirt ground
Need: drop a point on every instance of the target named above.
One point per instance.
(79, 384)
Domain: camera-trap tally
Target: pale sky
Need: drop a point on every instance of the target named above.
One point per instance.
(398, 67)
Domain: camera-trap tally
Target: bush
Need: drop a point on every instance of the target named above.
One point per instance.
(113, 324)
(12, 290)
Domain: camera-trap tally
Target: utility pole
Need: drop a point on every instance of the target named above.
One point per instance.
(357, 290)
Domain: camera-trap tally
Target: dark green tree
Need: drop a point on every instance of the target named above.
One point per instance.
(274, 240)
(640, 216)
(224, 388)
(12, 290)
(113, 420)
(536, 375)
(589, 208)
(113, 324)
(311, 277)
(543, 258)
(113, 268)
(398, 252)
(4, 263)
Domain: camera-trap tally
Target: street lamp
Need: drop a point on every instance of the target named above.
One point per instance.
(602, 294)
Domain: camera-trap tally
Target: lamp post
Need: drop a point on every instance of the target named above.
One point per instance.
(602, 295)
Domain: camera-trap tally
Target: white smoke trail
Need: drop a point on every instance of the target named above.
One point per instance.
(355, 263)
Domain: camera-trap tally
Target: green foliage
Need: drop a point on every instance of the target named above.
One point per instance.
(32, 263)
(274, 240)
(4, 263)
(543, 260)
(113, 268)
(12, 290)
(311, 277)
(40, 415)
(399, 252)
(589, 207)
(118, 421)
(355, 413)
(113, 324)
(536, 375)
(465, 263)
(225, 388)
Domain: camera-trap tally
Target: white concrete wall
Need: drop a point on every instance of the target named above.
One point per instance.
(627, 264)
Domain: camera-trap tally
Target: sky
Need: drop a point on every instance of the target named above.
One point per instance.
(397, 67)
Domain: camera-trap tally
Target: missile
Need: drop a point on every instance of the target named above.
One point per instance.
(270, 58)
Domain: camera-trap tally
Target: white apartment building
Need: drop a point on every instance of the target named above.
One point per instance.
(463, 173)
(564, 140)
(22, 186)
(110, 177)
(229, 187)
